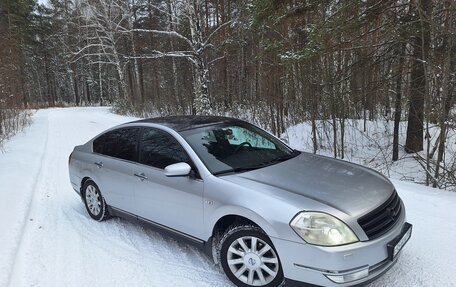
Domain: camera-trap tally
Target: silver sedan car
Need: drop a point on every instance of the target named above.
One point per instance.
(267, 214)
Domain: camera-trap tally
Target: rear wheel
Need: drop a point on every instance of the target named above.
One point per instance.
(94, 201)
(248, 257)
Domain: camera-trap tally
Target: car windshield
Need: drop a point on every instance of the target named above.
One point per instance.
(236, 148)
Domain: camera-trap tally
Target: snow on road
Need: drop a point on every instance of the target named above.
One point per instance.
(47, 238)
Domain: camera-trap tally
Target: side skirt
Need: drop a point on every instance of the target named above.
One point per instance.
(205, 246)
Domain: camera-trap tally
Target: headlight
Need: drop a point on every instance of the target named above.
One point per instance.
(322, 229)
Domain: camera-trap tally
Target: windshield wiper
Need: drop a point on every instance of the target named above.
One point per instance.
(265, 164)
(240, 169)
(282, 158)
(285, 157)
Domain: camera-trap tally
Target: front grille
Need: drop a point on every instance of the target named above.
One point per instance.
(382, 219)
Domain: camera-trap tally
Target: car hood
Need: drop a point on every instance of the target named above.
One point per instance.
(348, 187)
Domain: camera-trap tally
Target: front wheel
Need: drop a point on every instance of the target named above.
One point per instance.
(248, 257)
(94, 201)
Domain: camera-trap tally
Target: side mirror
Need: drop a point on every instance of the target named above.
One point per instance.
(178, 169)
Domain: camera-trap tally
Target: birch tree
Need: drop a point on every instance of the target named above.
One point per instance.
(191, 13)
(99, 36)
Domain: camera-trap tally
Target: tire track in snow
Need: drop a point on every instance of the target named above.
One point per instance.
(31, 202)
(137, 246)
(73, 250)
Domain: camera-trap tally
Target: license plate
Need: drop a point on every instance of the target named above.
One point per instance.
(395, 246)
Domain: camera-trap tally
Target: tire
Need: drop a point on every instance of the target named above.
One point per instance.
(94, 201)
(246, 266)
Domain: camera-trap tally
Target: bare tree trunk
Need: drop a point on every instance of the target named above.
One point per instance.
(314, 110)
(415, 130)
(398, 102)
(100, 82)
(334, 124)
(122, 82)
(135, 60)
(76, 91)
(342, 136)
(201, 102)
(174, 66)
(50, 96)
(141, 81)
(89, 96)
(447, 98)
(130, 76)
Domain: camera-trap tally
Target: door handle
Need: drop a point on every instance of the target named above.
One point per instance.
(141, 176)
(99, 164)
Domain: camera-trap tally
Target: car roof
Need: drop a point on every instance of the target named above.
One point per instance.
(182, 123)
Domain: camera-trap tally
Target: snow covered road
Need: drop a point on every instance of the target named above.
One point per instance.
(47, 238)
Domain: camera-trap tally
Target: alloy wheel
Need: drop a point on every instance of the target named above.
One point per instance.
(253, 261)
(93, 200)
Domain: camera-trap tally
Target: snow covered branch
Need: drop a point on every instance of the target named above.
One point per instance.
(160, 32)
(216, 30)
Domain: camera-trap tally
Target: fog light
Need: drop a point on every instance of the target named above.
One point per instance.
(349, 277)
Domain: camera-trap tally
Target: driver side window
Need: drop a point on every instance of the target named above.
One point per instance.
(159, 149)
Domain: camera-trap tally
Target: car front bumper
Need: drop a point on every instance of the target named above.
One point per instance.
(348, 265)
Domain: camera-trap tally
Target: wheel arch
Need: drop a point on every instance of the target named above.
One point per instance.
(227, 220)
(226, 216)
(83, 181)
(240, 226)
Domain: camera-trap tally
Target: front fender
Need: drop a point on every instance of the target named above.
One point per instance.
(226, 210)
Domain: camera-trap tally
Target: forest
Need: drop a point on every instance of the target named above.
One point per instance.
(275, 63)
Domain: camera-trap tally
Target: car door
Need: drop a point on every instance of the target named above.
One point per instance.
(175, 202)
(115, 153)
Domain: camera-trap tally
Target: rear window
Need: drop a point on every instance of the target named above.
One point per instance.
(120, 143)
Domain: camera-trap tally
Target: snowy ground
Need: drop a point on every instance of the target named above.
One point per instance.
(47, 239)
